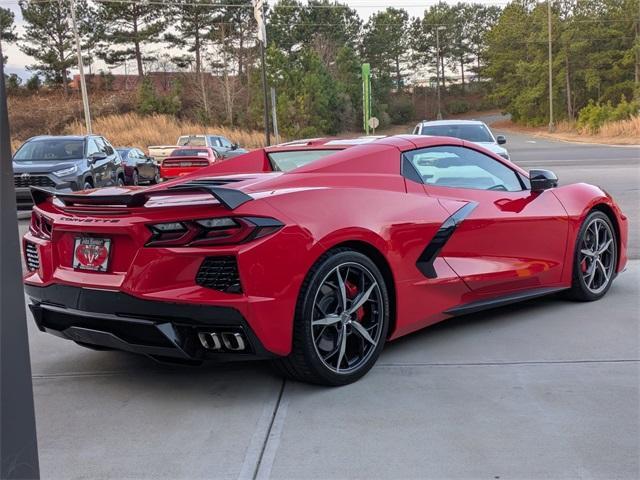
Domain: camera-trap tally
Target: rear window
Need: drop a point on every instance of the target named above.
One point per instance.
(195, 141)
(51, 149)
(189, 152)
(285, 161)
(471, 133)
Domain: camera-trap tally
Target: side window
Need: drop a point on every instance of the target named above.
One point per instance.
(225, 143)
(140, 153)
(92, 147)
(108, 149)
(416, 130)
(214, 141)
(461, 167)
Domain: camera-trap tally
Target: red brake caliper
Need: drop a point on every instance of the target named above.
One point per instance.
(352, 292)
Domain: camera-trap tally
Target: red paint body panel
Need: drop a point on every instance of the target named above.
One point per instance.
(511, 241)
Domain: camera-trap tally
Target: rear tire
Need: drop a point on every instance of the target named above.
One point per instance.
(135, 178)
(341, 320)
(595, 258)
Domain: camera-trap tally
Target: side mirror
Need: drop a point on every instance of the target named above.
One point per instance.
(542, 180)
(94, 157)
(234, 146)
(501, 139)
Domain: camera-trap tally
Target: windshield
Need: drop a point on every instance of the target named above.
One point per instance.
(123, 151)
(189, 152)
(472, 133)
(51, 149)
(195, 141)
(285, 161)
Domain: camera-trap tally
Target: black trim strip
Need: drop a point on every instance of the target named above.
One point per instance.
(431, 251)
(228, 197)
(480, 305)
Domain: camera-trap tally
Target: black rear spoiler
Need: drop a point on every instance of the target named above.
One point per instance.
(228, 197)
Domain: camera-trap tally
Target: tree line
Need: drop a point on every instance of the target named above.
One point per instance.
(315, 51)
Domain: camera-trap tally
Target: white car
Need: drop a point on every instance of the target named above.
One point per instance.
(470, 130)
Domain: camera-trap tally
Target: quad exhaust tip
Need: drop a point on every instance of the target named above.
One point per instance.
(215, 341)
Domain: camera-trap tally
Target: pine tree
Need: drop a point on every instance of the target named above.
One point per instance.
(127, 28)
(7, 32)
(48, 37)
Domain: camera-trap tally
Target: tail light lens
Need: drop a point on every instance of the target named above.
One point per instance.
(211, 231)
(40, 226)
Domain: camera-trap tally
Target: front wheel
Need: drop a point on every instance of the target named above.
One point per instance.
(595, 258)
(341, 321)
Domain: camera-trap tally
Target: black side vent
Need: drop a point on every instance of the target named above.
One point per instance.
(31, 256)
(220, 273)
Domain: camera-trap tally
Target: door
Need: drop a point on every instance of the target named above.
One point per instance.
(146, 166)
(97, 167)
(101, 168)
(113, 162)
(507, 238)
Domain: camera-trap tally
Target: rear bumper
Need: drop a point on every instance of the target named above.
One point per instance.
(161, 330)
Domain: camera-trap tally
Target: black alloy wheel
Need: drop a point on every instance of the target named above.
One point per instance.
(341, 322)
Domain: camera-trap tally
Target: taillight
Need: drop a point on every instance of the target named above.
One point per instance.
(211, 231)
(40, 226)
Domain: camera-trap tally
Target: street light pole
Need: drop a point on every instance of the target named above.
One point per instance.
(83, 84)
(551, 125)
(439, 116)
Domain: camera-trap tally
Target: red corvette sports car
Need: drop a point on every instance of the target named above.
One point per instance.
(315, 264)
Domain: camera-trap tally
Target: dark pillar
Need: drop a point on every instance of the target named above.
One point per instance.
(18, 444)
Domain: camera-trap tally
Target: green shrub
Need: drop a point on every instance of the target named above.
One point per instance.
(401, 109)
(594, 115)
(458, 106)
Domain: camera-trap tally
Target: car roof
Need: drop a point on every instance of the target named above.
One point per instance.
(452, 122)
(61, 137)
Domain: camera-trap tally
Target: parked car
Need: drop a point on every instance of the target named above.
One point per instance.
(186, 160)
(138, 167)
(65, 163)
(470, 130)
(317, 267)
(220, 144)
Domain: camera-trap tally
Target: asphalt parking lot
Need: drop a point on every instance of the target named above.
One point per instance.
(543, 389)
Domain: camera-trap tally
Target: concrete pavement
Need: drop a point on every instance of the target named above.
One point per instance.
(542, 389)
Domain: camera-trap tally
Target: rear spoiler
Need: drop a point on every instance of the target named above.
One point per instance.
(228, 197)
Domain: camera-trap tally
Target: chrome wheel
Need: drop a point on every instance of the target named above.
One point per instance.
(347, 317)
(597, 255)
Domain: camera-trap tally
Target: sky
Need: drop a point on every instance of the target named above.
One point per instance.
(18, 61)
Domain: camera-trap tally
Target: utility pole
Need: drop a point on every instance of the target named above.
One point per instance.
(18, 441)
(258, 13)
(551, 125)
(441, 27)
(83, 84)
(274, 115)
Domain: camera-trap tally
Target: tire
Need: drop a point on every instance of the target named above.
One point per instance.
(135, 178)
(156, 178)
(120, 181)
(594, 272)
(335, 351)
(87, 185)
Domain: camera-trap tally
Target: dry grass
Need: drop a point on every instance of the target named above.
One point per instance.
(623, 132)
(142, 131)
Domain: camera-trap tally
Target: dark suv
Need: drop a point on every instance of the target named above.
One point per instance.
(65, 163)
